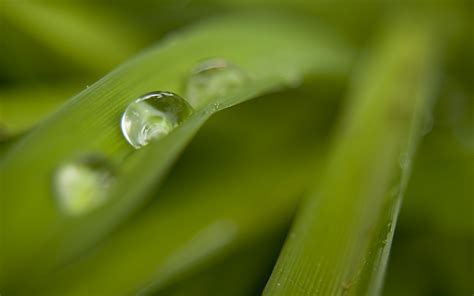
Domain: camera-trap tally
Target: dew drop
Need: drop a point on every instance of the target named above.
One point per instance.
(83, 184)
(293, 79)
(394, 192)
(153, 116)
(404, 161)
(212, 79)
(428, 123)
(217, 106)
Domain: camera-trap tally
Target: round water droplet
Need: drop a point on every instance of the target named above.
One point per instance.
(83, 184)
(153, 116)
(212, 79)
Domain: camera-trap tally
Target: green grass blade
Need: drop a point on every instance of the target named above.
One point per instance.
(340, 241)
(89, 123)
(173, 240)
(100, 40)
(241, 274)
(23, 107)
(238, 192)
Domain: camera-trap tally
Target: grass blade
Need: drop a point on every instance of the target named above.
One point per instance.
(53, 24)
(237, 193)
(340, 241)
(33, 229)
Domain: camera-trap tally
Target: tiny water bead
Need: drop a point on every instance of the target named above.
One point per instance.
(212, 79)
(83, 184)
(404, 161)
(153, 116)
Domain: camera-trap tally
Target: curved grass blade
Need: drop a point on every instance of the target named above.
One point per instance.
(22, 108)
(340, 241)
(172, 241)
(242, 274)
(93, 39)
(34, 228)
(236, 193)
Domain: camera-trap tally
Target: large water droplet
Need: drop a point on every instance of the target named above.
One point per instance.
(153, 116)
(212, 79)
(82, 185)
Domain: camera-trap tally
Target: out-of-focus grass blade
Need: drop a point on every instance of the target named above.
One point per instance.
(173, 239)
(430, 225)
(34, 228)
(240, 190)
(241, 274)
(22, 107)
(341, 238)
(87, 37)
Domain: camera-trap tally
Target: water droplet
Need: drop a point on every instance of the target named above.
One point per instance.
(404, 161)
(153, 116)
(212, 79)
(293, 79)
(217, 106)
(428, 123)
(395, 191)
(82, 185)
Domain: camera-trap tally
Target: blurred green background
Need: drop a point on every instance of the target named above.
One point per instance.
(52, 50)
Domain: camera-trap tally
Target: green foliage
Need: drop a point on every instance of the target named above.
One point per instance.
(282, 164)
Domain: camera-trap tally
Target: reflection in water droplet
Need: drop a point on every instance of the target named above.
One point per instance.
(82, 185)
(153, 116)
(212, 79)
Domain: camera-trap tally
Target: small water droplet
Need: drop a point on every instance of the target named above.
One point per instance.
(389, 225)
(153, 116)
(428, 123)
(293, 79)
(404, 161)
(395, 191)
(212, 79)
(217, 106)
(82, 185)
